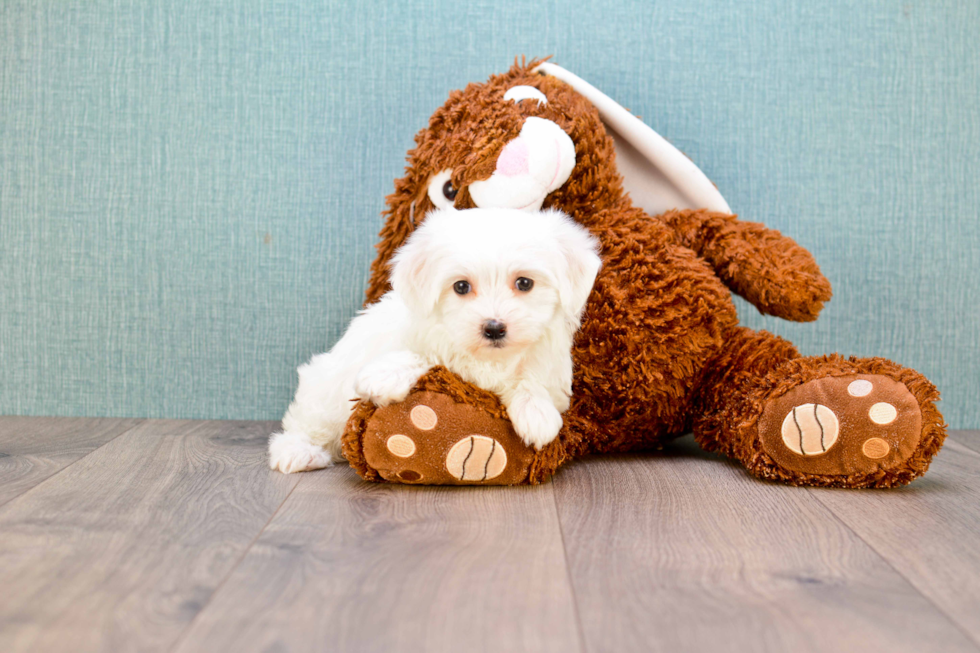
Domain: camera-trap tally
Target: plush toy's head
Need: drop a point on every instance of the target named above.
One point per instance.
(512, 141)
(535, 137)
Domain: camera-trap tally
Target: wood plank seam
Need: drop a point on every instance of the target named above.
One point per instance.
(187, 629)
(884, 558)
(790, 572)
(48, 478)
(579, 629)
(968, 439)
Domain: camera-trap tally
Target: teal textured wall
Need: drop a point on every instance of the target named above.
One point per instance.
(190, 191)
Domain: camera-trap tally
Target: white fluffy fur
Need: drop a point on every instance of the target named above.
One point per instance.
(422, 322)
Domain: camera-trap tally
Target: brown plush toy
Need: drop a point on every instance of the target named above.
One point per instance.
(660, 352)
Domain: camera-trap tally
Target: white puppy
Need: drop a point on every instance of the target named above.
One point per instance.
(495, 295)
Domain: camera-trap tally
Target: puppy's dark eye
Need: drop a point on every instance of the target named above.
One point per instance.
(461, 287)
(524, 284)
(449, 193)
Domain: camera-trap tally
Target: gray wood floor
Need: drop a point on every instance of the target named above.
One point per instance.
(120, 535)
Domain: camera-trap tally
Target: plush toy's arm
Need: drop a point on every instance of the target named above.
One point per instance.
(772, 272)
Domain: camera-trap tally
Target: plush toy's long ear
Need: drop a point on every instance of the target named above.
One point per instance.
(656, 174)
(405, 205)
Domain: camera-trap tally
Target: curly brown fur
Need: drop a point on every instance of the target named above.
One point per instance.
(728, 379)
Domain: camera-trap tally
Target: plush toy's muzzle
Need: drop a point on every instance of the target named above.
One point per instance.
(529, 167)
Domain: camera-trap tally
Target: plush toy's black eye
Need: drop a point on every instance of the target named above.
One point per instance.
(461, 287)
(524, 284)
(448, 191)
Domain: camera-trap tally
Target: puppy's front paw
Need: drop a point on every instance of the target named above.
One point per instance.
(389, 379)
(293, 452)
(535, 419)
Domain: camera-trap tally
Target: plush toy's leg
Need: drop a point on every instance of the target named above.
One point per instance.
(822, 420)
(446, 432)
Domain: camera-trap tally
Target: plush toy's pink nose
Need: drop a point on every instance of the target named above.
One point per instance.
(512, 161)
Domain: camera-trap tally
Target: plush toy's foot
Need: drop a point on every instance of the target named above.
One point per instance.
(857, 429)
(431, 440)
(842, 425)
(444, 433)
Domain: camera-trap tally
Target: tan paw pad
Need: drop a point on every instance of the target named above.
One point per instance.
(882, 413)
(424, 418)
(476, 458)
(401, 445)
(860, 388)
(875, 448)
(810, 429)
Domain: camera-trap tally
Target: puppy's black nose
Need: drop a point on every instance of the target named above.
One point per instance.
(494, 330)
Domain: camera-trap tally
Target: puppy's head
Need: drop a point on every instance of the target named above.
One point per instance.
(494, 281)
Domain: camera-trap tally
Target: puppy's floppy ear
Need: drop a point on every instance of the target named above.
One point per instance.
(580, 253)
(414, 267)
